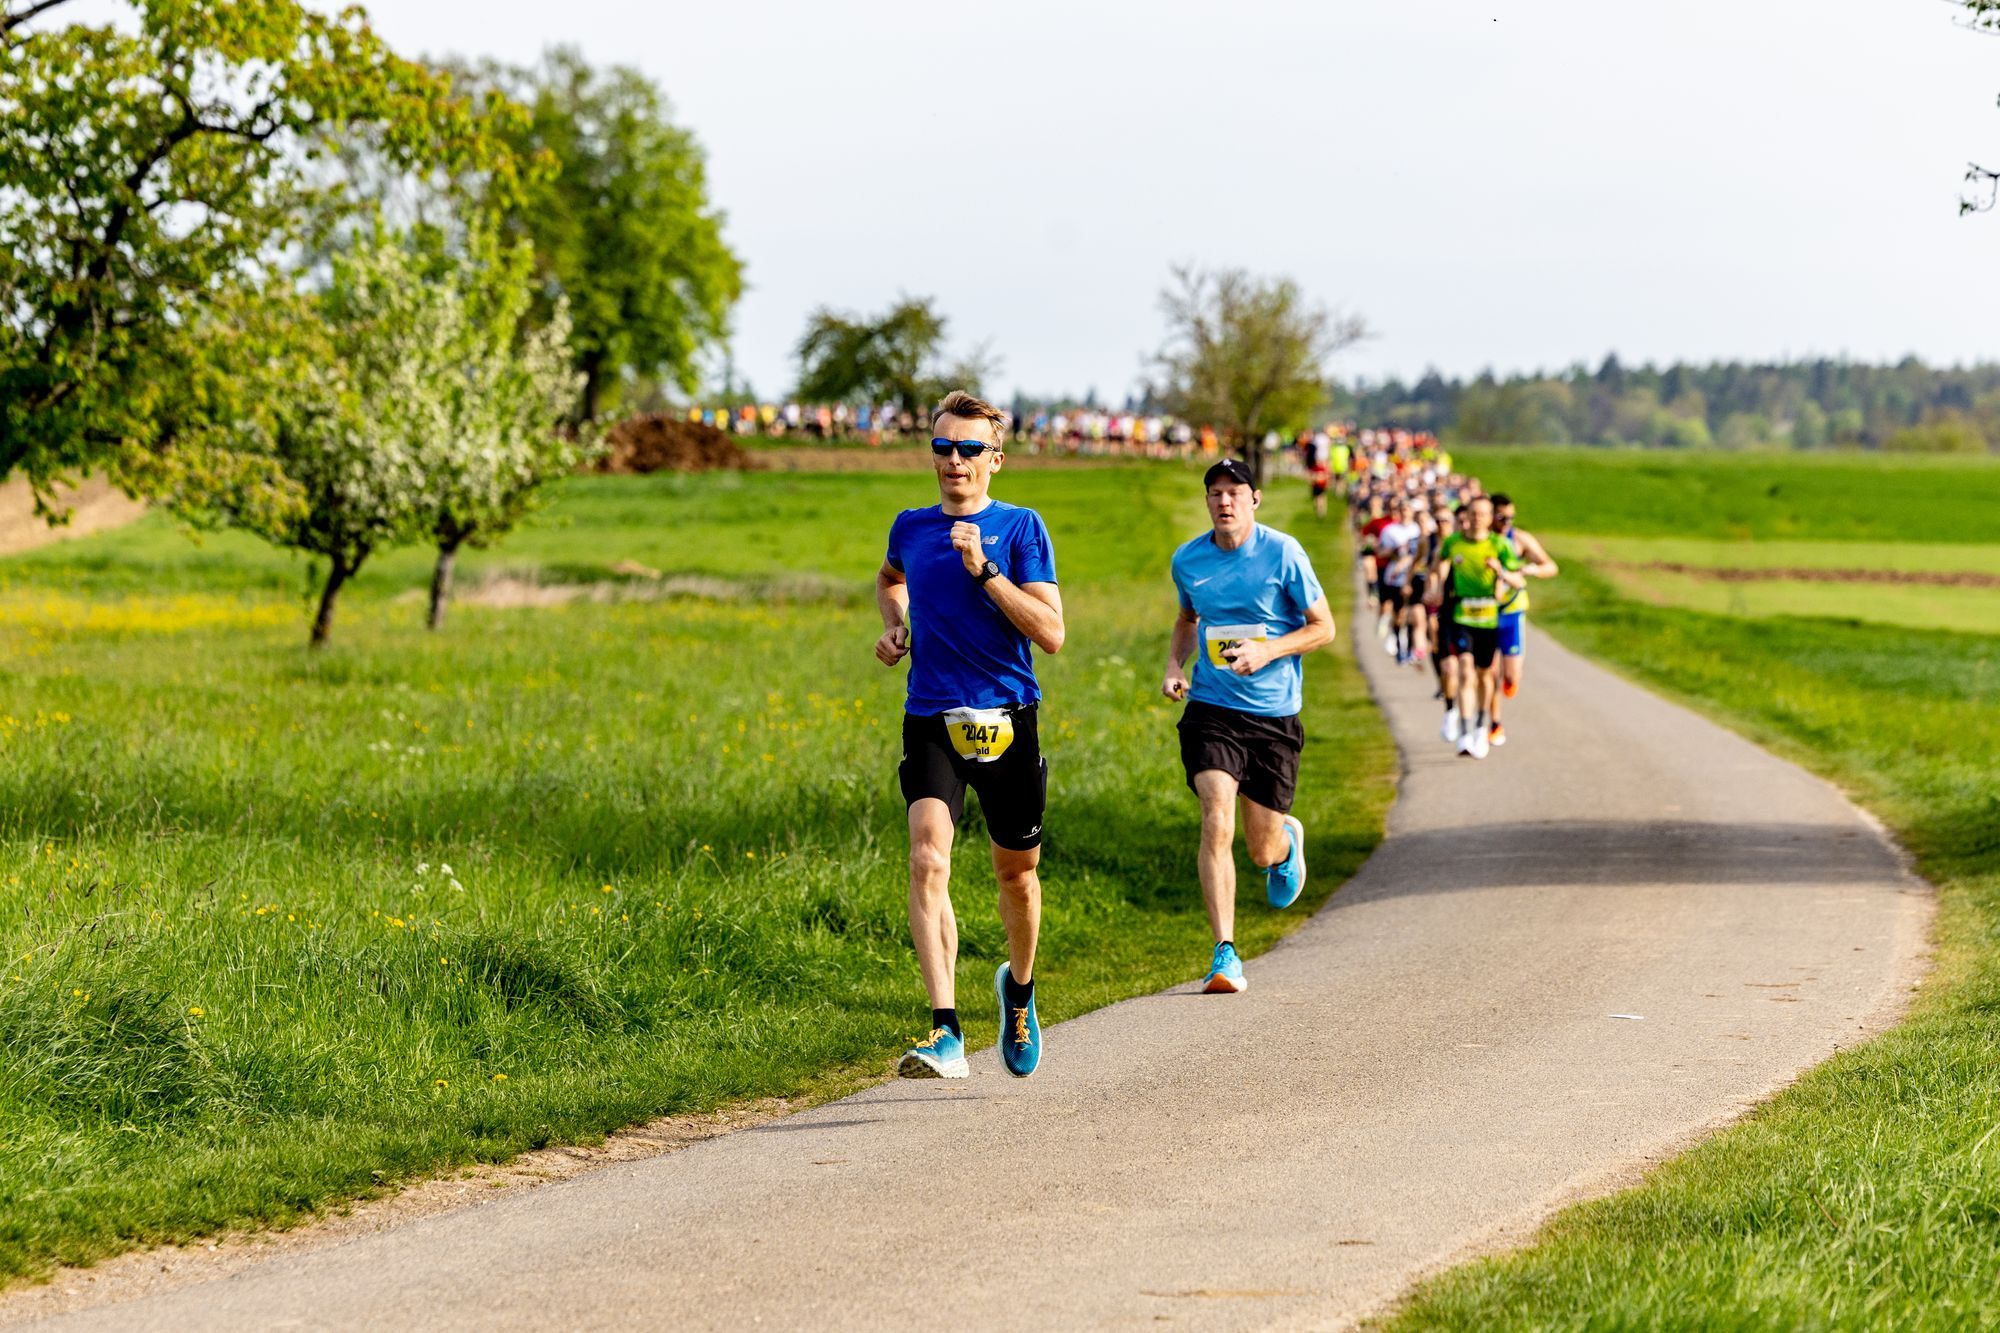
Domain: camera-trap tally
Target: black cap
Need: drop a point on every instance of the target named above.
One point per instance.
(1231, 468)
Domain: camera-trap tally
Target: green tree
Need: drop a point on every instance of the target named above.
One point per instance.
(505, 388)
(623, 228)
(148, 173)
(398, 403)
(1809, 426)
(1246, 354)
(845, 356)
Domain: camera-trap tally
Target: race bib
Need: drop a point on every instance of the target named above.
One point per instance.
(1224, 637)
(979, 734)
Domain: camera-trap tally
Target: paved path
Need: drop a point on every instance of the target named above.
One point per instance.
(1439, 1059)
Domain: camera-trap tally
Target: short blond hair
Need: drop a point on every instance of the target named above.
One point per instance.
(959, 403)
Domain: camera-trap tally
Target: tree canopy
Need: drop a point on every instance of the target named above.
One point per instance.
(891, 358)
(152, 173)
(1246, 354)
(623, 227)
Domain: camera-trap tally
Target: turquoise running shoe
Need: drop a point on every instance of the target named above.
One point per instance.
(1225, 973)
(940, 1055)
(1285, 881)
(1020, 1030)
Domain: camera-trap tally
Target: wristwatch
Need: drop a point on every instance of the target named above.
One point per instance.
(987, 573)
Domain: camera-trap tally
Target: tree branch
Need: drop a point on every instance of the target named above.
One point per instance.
(10, 21)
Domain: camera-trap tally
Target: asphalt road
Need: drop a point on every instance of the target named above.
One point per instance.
(1564, 963)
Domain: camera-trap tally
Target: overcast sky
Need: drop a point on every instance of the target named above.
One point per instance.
(1520, 184)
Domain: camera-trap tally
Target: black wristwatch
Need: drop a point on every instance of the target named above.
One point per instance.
(987, 573)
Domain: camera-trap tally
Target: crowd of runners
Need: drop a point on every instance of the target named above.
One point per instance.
(1446, 567)
(967, 591)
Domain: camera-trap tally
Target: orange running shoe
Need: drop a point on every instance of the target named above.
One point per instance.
(1496, 735)
(1510, 688)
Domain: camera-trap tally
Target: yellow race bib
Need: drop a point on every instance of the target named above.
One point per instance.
(1224, 637)
(979, 734)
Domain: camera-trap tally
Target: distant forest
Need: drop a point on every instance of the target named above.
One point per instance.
(1808, 405)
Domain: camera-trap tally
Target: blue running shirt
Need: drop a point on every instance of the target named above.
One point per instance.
(1260, 590)
(964, 652)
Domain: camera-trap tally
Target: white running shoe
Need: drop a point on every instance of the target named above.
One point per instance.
(1465, 746)
(1480, 747)
(1453, 728)
(1389, 646)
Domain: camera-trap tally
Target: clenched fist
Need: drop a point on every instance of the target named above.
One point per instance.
(965, 539)
(893, 646)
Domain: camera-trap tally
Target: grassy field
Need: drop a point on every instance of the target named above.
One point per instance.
(281, 927)
(1819, 497)
(1868, 1195)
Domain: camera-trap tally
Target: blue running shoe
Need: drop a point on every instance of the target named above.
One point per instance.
(1284, 881)
(1225, 973)
(1020, 1030)
(940, 1055)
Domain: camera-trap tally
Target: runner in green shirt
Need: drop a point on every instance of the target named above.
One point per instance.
(1482, 566)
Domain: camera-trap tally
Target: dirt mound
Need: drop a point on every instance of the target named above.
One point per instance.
(660, 443)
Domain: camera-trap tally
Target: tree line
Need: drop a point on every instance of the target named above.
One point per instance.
(1813, 404)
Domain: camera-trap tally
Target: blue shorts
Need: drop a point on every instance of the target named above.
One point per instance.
(1514, 634)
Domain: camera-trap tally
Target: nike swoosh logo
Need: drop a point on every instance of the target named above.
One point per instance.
(1199, 582)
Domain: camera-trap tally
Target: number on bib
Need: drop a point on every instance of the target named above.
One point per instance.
(979, 734)
(1221, 638)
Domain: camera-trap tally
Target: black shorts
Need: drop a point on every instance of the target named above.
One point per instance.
(1396, 595)
(1013, 789)
(1481, 641)
(1261, 753)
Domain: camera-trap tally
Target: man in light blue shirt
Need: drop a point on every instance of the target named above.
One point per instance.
(1250, 607)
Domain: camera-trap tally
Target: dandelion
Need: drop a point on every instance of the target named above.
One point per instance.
(440, 1083)
(749, 856)
(195, 1011)
(499, 1078)
(607, 888)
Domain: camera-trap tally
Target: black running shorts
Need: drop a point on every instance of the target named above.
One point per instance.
(1013, 788)
(1261, 753)
(1480, 641)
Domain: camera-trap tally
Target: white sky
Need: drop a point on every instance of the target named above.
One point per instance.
(1517, 184)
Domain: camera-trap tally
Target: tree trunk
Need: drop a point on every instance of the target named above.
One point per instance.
(593, 390)
(1253, 457)
(441, 573)
(340, 571)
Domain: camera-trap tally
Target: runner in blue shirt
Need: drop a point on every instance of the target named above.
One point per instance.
(1250, 607)
(967, 590)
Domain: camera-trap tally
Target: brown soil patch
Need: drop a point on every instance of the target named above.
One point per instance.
(94, 506)
(1932, 578)
(661, 443)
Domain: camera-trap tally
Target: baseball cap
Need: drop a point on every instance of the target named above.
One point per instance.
(1231, 468)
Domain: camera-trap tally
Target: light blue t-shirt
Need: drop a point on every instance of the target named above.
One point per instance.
(1260, 590)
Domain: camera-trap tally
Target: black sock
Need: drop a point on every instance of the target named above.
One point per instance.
(1017, 994)
(948, 1020)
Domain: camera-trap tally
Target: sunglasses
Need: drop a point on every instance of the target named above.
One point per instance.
(966, 448)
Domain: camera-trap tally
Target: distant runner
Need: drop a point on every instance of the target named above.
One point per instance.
(1481, 564)
(1250, 606)
(967, 587)
(1535, 564)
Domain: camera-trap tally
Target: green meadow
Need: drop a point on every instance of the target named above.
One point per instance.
(1868, 1195)
(283, 928)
